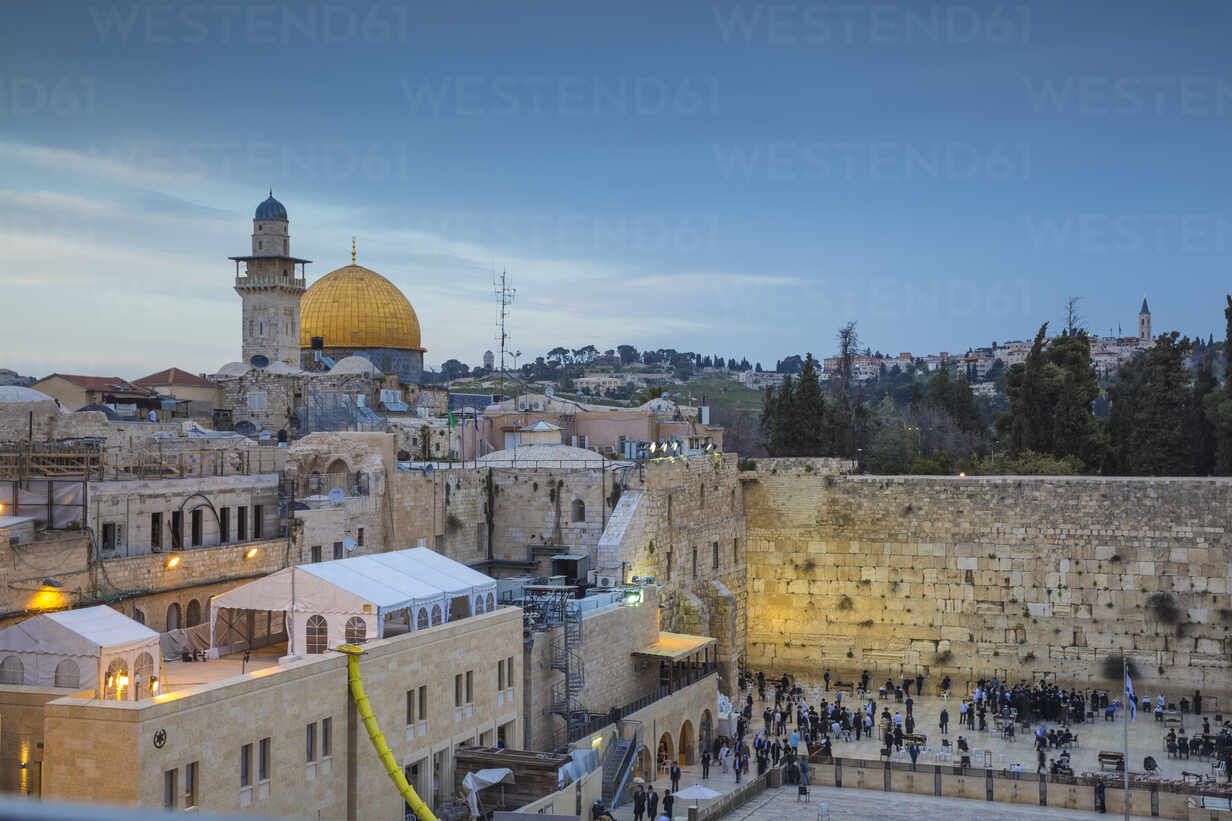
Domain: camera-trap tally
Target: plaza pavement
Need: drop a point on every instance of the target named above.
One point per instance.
(1145, 738)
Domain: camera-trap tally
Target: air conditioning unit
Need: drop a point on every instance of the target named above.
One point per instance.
(607, 581)
(592, 577)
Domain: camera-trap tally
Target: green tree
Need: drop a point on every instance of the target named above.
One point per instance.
(1202, 424)
(1151, 406)
(1219, 406)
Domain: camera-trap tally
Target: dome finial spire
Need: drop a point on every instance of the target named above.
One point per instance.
(352, 250)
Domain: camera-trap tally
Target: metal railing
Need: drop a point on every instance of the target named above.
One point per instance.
(618, 713)
(94, 464)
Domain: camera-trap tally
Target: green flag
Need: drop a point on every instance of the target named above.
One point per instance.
(453, 422)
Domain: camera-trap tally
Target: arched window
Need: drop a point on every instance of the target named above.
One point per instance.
(192, 615)
(579, 510)
(173, 616)
(143, 671)
(68, 675)
(12, 671)
(478, 605)
(422, 621)
(436, 615)
(317, 634)
(115, 681)
(491, 602)
(356, 630)
(138, 615)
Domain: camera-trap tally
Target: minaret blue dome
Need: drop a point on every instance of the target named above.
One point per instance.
(271, 209)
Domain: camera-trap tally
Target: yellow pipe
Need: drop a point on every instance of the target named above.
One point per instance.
(377, 738)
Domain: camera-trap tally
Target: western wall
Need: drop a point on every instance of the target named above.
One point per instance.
(1024, 577)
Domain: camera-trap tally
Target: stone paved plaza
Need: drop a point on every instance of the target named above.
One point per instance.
(854, 805)
(1145, 738)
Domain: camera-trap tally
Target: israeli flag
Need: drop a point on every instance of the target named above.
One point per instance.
(1129, 694)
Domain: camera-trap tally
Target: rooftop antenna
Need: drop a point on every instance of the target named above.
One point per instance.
(504, 298)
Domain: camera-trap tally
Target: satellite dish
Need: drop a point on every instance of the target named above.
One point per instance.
(350, 544)
(259, 360)
(549, 392)
(336, 495)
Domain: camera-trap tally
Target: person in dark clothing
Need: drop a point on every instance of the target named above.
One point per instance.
(914, 752)
(652, 804)
(945, 684)
(675, 776)
(864, 681)
(945, 721)
(668, 801)
(639, 805)
(1197, 702)
(826, 679)
(909, 702)
(898, 738)
(919, 685)
(705, 765)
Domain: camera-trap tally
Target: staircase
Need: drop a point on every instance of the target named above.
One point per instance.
(618, 769)
(566, 658)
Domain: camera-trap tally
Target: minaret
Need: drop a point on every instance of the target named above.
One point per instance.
(1144, 324)
(270, 290)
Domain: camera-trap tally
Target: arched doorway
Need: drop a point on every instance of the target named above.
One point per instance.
(688, 744)
(665, 754)
(705, 733)
(641, 765)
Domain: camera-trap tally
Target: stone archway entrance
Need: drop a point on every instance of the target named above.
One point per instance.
(688, 744)
(641, 765)
(665, 754)
(705, 732)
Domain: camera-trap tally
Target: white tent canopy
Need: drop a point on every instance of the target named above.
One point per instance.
(79, 649)
(351, 598)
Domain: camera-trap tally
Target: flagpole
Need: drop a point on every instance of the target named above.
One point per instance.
(1128, 690)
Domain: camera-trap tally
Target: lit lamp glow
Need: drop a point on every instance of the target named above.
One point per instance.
(252, 552)
(154, 684)
(173, 561)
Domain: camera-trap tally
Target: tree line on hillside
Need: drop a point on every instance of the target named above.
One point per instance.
(1155, 417)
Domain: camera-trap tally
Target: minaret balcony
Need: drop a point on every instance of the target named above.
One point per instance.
(269, 281)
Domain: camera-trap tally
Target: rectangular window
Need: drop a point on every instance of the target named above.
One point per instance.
(337, 550)
(263, 760)
(500, 675)
(509, 670)
(245, 765)
(316, 553)
(109, 536)
(410, 706)
(190, 785)
(196, 528)
(241, 524)
(716, 555)
(177, 529)
(360, 537)
(256, 401)
(695, 561)
(171, 789)
(224, 525)
(310, 742)
(327, 728)
(258, 520)
(669, 565)
(457, 690)
(736, 551)
(156, 530)
(469, 676)
(423, 702)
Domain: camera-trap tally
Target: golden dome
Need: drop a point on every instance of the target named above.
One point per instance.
(354, 307)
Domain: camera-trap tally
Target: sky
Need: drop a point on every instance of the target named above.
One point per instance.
(735, 178)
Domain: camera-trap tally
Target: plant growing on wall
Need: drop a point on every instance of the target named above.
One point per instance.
(845, 603)
(1111, 668)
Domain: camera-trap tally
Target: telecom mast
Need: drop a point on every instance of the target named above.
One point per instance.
(504, 298)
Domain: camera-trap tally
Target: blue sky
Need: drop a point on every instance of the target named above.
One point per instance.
(733, 177)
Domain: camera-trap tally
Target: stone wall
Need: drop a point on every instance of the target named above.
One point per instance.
(686, 530)
(1019, 576)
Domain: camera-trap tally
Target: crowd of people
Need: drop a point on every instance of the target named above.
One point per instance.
(791, 730)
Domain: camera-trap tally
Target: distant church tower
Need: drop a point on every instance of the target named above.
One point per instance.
(1144, 324)
(270, 290)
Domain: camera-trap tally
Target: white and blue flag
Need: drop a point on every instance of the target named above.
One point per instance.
(1129, 695)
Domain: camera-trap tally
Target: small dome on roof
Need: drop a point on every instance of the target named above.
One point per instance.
(103, 409)
(17, 393)
(271, 209)
(355, 364)
(232, 369)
